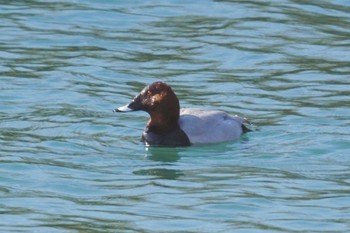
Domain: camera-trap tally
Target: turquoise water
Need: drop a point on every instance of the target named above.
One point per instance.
(69, 164)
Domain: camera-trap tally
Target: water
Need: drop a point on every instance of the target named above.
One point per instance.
(69, 164)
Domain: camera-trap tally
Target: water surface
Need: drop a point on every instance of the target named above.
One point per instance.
(69, 164)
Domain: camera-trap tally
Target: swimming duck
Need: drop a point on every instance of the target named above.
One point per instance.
(170, 126)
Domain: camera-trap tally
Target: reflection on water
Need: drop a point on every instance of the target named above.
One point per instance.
(161, 173)
(67, 163)
(163, 154)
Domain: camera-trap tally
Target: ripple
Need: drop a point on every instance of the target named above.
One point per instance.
(69, 164)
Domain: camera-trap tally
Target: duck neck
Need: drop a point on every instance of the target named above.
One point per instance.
(163, 122)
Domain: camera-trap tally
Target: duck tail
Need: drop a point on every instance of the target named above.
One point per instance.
(244, 121)
(246, 129)
(251, 128)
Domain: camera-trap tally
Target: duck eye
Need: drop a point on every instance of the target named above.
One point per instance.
(149, 93)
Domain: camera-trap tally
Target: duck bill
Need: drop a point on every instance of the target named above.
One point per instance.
(134, 105)
(124, 108)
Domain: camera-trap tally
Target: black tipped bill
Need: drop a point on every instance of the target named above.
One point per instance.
(134, 105)
(124, 108)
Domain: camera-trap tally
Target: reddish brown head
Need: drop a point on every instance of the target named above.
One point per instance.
(159, 100)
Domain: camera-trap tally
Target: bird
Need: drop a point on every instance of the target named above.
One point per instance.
(171, 126)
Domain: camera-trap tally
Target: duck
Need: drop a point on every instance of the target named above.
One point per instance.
(171, 126)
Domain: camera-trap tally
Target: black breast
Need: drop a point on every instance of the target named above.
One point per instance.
(174, 138)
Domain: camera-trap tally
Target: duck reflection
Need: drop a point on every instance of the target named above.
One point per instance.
(160, 173)
(167, 157)
(162, 154)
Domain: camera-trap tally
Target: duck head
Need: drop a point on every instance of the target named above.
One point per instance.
(160, 102)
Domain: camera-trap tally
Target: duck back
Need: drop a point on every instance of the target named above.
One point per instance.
(203, 126)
